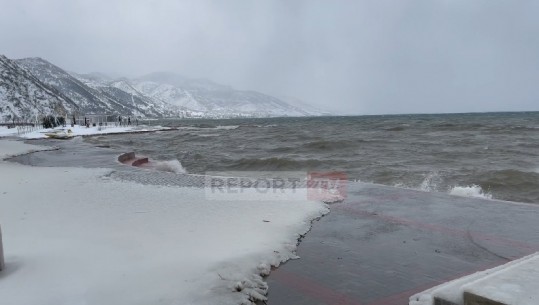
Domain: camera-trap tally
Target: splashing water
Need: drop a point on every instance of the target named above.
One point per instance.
(431, 182)
(474, 191)
(172, 166)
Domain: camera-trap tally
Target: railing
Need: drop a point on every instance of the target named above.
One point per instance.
(24, 129)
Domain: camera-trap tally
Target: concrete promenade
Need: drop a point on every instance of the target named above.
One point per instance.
(382, 245)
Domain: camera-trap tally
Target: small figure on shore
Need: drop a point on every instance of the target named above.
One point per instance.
(120, 120)
(86, 122)
(128, 121)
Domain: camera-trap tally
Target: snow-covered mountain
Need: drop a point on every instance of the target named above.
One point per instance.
(207, 96)
(33, 86)
(24, 96)
(96, 97)
(312, 110)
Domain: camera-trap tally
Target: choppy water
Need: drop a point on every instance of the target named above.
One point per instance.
(489, 155)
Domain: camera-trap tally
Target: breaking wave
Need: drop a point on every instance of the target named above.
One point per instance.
(171, 166)
(228, 127)
(434, 182)
(473, 191)
(274, 164)
(431, 182)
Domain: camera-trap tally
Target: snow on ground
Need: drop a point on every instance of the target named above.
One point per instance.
(78, 130)
(7, 132)
(512, 283)
(14, 148)
(74, 236)
(515, 284)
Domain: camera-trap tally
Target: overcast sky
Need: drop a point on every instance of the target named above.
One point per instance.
(354, 57)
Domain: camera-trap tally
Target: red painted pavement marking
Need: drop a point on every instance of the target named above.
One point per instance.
(442, 229)
(312, 289)
(320, 292)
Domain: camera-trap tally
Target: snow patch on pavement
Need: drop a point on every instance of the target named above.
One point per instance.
(73, 236)
(9, 148)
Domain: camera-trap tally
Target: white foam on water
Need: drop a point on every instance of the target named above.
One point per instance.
(430, 183)
(171, 166)
(227, 127)
(433, 183)
(473, 191)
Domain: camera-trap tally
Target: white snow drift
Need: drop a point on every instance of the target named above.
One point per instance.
(73, 236)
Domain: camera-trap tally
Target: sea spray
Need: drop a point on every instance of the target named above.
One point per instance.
(172, 166)
(474, 191)
(431, 182)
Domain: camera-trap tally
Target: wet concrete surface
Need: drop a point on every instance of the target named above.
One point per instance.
(382, 245)
(72, 153)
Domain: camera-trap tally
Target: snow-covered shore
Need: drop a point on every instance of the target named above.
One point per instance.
(74, 236)
(78, 130)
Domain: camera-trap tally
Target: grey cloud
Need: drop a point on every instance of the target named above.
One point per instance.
(399, 56)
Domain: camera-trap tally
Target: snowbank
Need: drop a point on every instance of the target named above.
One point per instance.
(73, 236)
(14, 148)
(7, 132)
(512, 283)
(80, 131)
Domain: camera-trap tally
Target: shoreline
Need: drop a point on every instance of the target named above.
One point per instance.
(78, 130)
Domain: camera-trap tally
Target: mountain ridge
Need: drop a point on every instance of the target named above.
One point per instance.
(24, 96)
(158, 94)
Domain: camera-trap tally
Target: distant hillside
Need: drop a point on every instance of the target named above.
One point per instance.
(24, 96)
(33, 86)
(99, 99)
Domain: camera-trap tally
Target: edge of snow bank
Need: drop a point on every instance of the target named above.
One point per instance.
(252, 284)
(14, 148)
(152, 242)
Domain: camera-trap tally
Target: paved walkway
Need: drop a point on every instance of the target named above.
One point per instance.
(384, 244)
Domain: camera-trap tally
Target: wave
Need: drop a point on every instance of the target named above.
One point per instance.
(511, 178)
(507, 184)
(257, 126)
(431, 182)
(202, 125)
(326, 145)
(227, 127)
(460, 126)
(283, 149)
(171, 166)
(472, 191)
(273, 164)
(396, 128)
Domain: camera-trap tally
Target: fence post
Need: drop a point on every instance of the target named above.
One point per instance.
(1, 251)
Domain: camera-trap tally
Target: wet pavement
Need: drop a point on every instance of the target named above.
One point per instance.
(383, 244)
